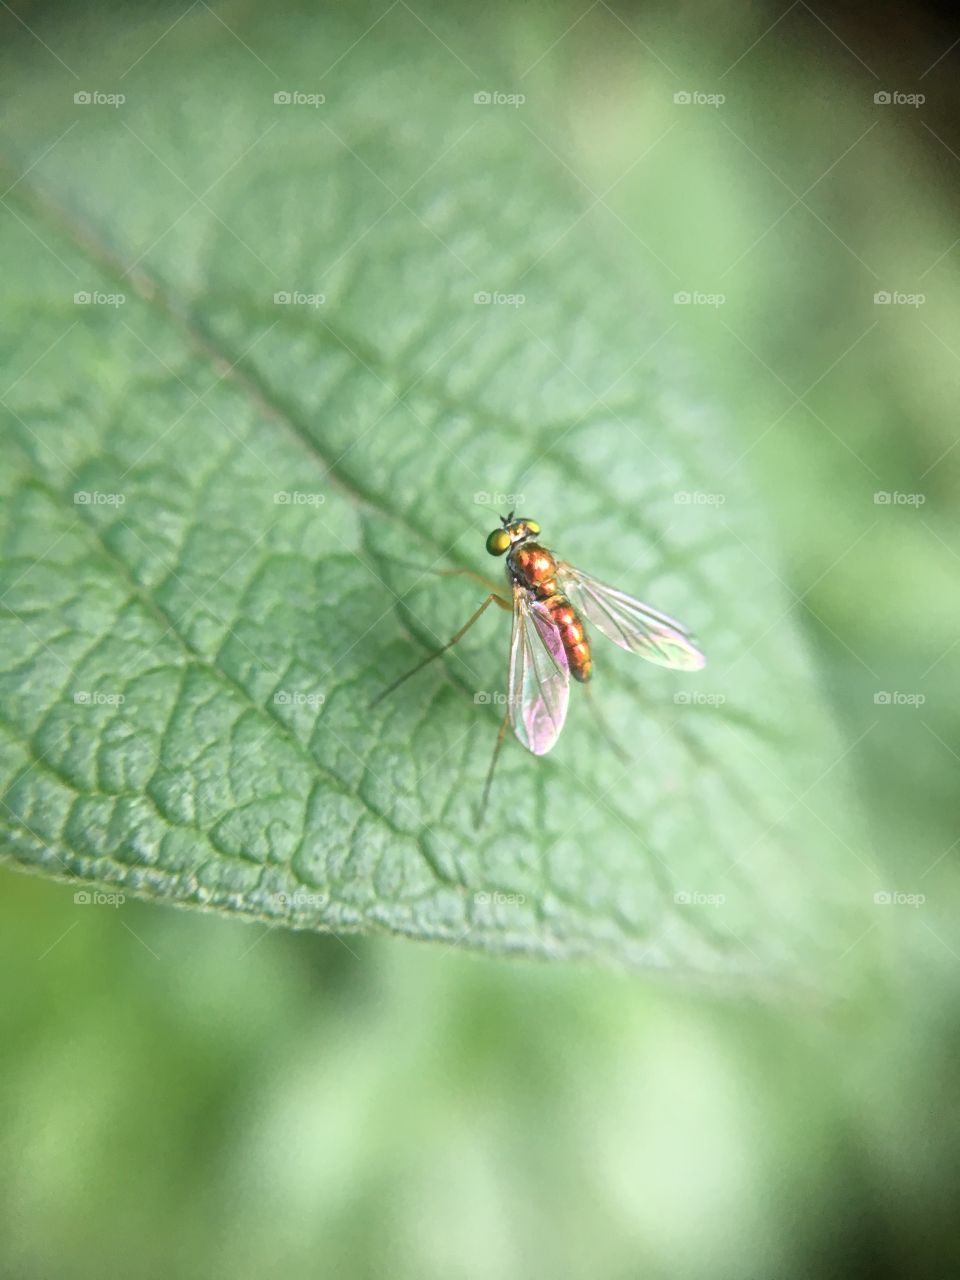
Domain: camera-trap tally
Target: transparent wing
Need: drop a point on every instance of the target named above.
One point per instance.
(539, 677)
(628, 623)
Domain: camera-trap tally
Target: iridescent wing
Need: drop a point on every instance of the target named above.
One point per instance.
(539, 677)
(628, 623)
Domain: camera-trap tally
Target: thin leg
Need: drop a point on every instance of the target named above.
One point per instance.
(493, 764)
(452, 573)
(604, 727)
(469, 573)
(491, 598)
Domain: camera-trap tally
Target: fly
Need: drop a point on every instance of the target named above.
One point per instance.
(550, 601)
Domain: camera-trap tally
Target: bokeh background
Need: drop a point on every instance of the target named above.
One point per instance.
(185, 1096)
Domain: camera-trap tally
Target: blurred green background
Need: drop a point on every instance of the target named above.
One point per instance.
(182, 1096)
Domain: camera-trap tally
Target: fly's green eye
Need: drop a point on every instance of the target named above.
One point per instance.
(533, 526)
(498, 542)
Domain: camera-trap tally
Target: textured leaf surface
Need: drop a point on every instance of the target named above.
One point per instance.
(218, 509)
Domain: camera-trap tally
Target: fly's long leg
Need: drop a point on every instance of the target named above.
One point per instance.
(604, 727)
(451, 573)
(491, 599)
(468, 573)
(493, 764)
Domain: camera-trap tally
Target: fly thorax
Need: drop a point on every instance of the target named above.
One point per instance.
(535, 568)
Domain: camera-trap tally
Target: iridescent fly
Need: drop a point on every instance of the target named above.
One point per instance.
(550, 600)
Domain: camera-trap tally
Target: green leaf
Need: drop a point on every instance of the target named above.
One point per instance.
(221, 510)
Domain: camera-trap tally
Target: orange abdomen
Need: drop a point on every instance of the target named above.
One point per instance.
(574, 637)
(537, 570)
